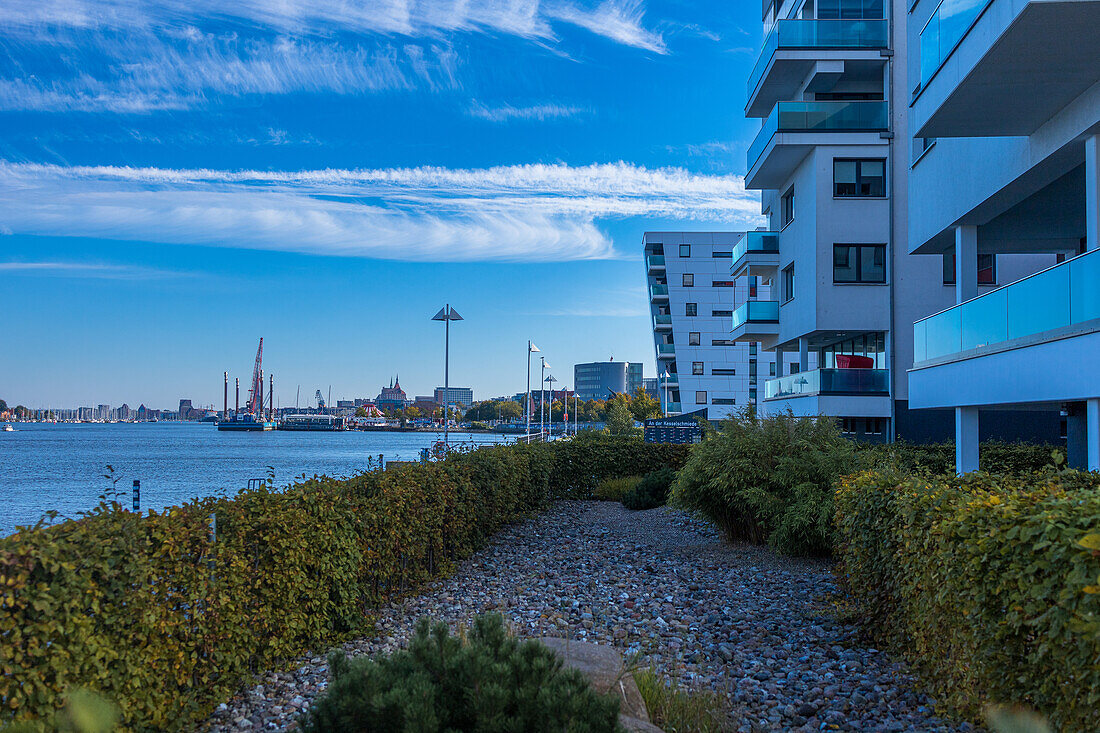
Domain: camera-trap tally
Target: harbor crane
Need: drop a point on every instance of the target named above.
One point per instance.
(320, 400)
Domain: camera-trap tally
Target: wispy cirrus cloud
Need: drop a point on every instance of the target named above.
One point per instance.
(124, 57)
(86, 270)
(529, 213)
(508, 112)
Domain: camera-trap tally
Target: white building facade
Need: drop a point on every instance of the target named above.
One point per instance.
(832, 163)
(1005, 118)
(692, 298)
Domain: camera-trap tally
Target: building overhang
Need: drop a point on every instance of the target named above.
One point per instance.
(1012, 71)
(786, 151)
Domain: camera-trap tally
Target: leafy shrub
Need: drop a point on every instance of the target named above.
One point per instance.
(676, 710)
(580, 464)
(613, 489)
(488, 681)
(165, 618)
(620, 421)
(990, 584)
(651, 491)
(768, 479)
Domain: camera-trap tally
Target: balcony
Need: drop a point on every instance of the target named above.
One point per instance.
(756, 254)
(666, 351)
(654, 264)
(672, 407)
(797, 48)
(1054, 303)
(756, 320)
(658, 293)
(670, 380)
(793, 128)
(662, 323)
(992, 68)
(829, 382)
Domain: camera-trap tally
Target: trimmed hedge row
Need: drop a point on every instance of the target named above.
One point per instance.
(994, 456)
(166, 620)
(990, 584)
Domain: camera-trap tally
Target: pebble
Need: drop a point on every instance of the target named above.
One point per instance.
(736, 620)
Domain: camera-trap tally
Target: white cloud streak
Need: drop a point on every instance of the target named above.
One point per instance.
(508, 112)
(511, 213)
(86, 270)
(128, 57)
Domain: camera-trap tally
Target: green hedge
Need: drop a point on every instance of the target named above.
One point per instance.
(994, 457)
(163, 621)
(987, 583)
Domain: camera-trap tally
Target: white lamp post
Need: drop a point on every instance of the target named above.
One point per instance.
(527, 408)
(446, 314)
(550, 379)
(542, 397)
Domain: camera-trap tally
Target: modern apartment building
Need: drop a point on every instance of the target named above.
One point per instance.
(599, 380)
(692, 298)
(1005, 117)
(832, 163)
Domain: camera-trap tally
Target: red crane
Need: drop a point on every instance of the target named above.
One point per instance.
(255, 392)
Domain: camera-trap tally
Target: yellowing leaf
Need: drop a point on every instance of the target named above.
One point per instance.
(1090, 541)
(1091, 589)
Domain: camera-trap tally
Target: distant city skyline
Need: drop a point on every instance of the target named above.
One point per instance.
(348, 178)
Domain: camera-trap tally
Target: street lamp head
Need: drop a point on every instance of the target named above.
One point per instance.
(447, 313)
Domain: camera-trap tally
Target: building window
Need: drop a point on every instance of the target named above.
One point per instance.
(724, 401)
(697, 368)
(685, 250)
(794, 368)
(752, 394)
(700, 398)
(771, 369)
(724, 372)
(850, 9)
(859, 178)
(722, 314)
(786, 208)
(723, 255)
(752, 348)
(721, 283)
(859, 263)
(693, 338)
(753, 284)
(788, 282)
(723, 342)
(987, 269)
(752, 368)
(689, 280)
(691, 309)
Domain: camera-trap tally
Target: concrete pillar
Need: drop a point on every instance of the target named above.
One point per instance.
(1092, 425)
(966, 262)
(966, 439)
(1092, 192)
(803, 354)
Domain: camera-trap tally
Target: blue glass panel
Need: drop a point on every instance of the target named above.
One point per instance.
(943, 334)
(920, 347)
(1084, 284)
(984, 320)
(1039, 303)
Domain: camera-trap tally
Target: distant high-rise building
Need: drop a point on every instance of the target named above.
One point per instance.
(463, 396)
(599, 380)
(185, 409)
(104, 412)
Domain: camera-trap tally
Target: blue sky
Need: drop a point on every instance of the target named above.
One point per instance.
(179, 178)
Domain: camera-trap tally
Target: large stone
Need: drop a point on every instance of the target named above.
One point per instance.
(604, 668)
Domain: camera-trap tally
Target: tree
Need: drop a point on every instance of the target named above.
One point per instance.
(619, 419)
(3, 406)
(361, 412)
(643, 406)
(412, 412)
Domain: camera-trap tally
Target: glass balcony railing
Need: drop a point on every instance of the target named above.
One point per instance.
(950, 22)
(844, 116)
(797, 33)
(660, 320)
(666, 349)
(658, 290)
(829, 382)
(756, 242)
(671, 379)
(655, 261)
(673, 407)
(1063, 295)
(756, 311)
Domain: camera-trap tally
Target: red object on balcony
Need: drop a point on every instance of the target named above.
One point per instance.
(851, 361)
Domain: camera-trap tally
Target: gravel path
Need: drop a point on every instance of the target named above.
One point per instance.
(738, 620)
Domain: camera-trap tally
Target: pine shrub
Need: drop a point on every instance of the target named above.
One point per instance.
(487, 681)
(652, 491)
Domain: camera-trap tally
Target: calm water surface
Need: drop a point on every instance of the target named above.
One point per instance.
(62, 467)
